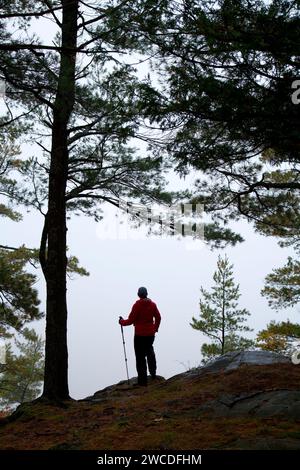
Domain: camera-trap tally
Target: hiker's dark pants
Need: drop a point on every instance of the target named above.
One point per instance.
(143, 347)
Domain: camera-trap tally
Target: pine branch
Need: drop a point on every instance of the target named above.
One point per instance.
(30, 14)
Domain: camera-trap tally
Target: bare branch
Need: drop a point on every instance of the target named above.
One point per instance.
(102, 15)
(260, 184)
(17, 117)
(26, 15)
(53, 12)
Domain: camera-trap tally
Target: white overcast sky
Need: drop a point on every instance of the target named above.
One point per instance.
(172, 273)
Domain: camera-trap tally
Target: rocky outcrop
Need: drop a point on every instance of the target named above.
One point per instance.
(243, 400)
(122, 388)
(247, 386)
(264, 404)
(234, 360)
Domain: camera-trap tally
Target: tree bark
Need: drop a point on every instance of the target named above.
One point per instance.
(223, 314)
(56, 355)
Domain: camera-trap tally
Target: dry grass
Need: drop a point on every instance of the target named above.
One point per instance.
(163, 416)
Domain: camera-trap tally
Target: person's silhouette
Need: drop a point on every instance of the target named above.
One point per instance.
(146, 319)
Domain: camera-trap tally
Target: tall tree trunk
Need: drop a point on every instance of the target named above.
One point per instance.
(56, 357)
(223, 314)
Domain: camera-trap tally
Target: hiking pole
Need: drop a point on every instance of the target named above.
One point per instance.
(120, 318)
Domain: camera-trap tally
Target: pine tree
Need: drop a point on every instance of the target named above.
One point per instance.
(220, 317)
(282, 285)
(280, 337)
(81, 105)
(229, 72)
(19, 301)
(22, 378)
(18, 298)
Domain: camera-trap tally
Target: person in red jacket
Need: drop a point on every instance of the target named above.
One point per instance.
(146, 319)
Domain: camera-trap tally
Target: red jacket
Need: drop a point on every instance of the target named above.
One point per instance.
(145, 317)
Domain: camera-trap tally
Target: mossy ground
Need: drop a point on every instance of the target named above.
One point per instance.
(162, 416)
